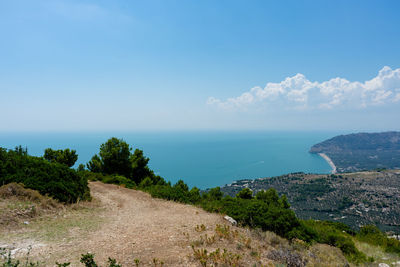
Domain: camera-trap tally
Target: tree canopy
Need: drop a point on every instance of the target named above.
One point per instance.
(115, 157)
(67, 157)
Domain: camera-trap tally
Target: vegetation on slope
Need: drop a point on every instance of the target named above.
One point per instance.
(266, 210)
(18, 203)
(351, 198)
(48, 177)
(362, 151)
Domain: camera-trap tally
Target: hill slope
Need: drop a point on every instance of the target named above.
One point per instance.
(362, 151)
(352, 198)
(127, 224)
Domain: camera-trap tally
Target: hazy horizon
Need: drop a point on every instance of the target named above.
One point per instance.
(116, 66)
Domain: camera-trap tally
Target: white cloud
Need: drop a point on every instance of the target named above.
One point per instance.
(299, 92)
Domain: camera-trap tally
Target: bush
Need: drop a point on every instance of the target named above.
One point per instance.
(269, 216)
(332, 233)
(194, 195)
(372, 235)
(115, 157)
(245, 193)
(119, 180)
(213, 194)
(88, 261)
(146, 182)
(66, 156)
(7, 260)
(53, 179)
(108, 179)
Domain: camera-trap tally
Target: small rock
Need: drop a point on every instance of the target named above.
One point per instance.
(231, 220)
(26, 222)
(383, 265)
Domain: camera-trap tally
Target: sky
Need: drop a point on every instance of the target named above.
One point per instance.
(199, 65)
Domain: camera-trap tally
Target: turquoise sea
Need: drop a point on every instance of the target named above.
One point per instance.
(202, 159)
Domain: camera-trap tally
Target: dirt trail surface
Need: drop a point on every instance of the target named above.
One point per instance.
(130, 224)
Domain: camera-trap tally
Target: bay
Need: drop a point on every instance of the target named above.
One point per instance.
(202, 159)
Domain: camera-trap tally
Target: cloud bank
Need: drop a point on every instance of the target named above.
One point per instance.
(298, 92)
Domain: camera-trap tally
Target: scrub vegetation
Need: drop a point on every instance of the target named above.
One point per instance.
(49, 177)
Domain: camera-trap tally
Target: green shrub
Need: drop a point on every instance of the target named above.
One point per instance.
(269, 195)
(213, 194)
(372, 235)
(115, 157)
(267, 211)
(92, 176)
(66, 156)
(392, 245)
(88, 260)
(119, 180)
(194, 195)
(146, 182)
(245, 193)
(332, 233)
(53, 179)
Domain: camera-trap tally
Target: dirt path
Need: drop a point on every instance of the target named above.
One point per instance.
(133, 225)
(143, 227)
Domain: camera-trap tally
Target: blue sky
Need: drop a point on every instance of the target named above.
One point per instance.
(199, 65)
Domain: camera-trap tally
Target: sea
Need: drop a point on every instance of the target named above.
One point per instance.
(202, 159)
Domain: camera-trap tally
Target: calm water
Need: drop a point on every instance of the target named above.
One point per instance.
(201, 159)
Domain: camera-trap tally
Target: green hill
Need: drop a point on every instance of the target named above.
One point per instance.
(362, 151)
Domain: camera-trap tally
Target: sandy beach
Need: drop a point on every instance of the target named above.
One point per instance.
(330, 162)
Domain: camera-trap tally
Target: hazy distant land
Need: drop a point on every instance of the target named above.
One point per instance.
(362, 151)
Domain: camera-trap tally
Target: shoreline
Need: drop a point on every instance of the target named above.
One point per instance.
(330, 162)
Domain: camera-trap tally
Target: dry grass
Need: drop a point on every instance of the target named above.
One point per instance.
(236, 246)
(377, 253)
(29, 219)
(18, 204)
(18, 191)
(324, 255)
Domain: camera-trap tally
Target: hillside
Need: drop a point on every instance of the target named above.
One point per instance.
(352, 198)
(127, 224)
(167, 224)
(362, 151)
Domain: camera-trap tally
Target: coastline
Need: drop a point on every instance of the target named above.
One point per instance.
(330, 162)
